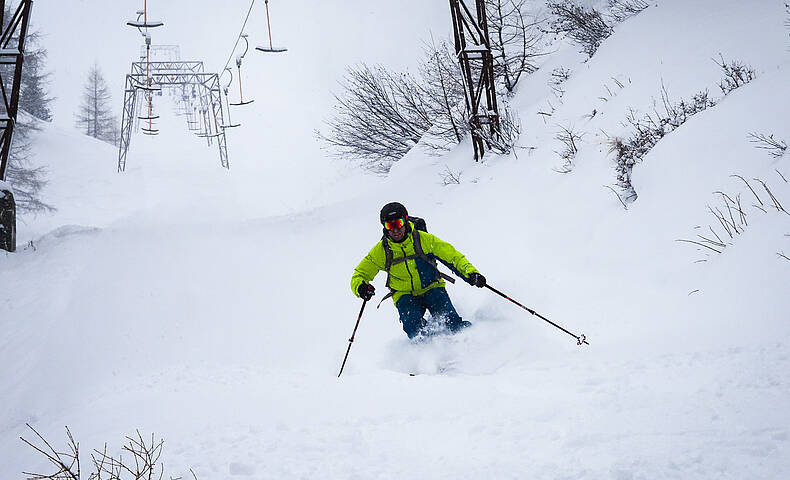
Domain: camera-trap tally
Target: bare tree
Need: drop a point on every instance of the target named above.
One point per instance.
(372, 123)
(515, 40)
(443, 91)
(95, 117)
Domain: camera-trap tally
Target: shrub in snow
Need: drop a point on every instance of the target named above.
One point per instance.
(621, 10)
(775, 147)
(450, 177)
(736, 75)
(559, 76)
(570, 141)
(585, 26)
(787, 9)
(648, 130)
(731, 215)
(652, 127)
(139, 459)
(504, 141)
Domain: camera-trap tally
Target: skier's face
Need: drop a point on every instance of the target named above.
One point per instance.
(398, 234)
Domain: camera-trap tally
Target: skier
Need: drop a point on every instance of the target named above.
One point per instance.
(409, 256)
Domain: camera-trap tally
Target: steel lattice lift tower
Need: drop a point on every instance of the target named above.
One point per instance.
(12, 55)
(188, 80)
(473, 48)
(186, 76)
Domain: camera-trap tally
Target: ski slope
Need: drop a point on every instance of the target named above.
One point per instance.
(212, 307)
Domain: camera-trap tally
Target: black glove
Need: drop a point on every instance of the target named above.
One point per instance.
(366, 291)
(477, 279)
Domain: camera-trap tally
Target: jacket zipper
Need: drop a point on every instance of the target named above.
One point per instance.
(406, 262)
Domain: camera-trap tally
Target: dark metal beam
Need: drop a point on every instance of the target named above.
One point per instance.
(12, 52)
(473, 48)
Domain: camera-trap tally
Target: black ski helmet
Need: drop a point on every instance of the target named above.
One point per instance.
(393, 211)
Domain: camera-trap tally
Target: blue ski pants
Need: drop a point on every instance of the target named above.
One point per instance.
(412, 308)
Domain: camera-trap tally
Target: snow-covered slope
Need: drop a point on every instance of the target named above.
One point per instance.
(212, 307)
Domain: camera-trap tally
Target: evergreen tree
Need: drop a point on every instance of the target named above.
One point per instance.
(33, 95)
(34, 106)
(95, 116)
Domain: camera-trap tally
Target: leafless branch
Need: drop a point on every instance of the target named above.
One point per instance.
(750, 187)
(625, 207)
(778, 206)
(775, 147)
(66, 463)
(698, 243)
(449, 177)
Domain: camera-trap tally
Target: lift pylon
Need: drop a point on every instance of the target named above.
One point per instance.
(12, 56)
(182, 75)
(473, 48)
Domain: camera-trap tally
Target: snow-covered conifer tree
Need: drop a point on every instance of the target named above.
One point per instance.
(34, 105)
(94, 117)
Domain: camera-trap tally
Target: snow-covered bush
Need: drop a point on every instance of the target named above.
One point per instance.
(585, 26)
(787, 18)
(652, 127)
(621, 10)
(736, 74)
(648, 130)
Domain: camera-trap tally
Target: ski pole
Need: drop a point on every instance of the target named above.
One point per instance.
(580, 339)
(351, 340)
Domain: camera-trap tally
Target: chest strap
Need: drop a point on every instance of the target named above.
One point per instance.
(389, 261)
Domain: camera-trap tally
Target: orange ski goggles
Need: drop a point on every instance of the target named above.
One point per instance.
(395, 224)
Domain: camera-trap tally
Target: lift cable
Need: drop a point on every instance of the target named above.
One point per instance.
(238, 38)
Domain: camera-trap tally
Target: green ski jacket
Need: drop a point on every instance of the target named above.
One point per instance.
(418, 273)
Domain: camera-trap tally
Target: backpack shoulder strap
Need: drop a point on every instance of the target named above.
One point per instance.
(387, 267)
(432, 261)
(387, 257)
